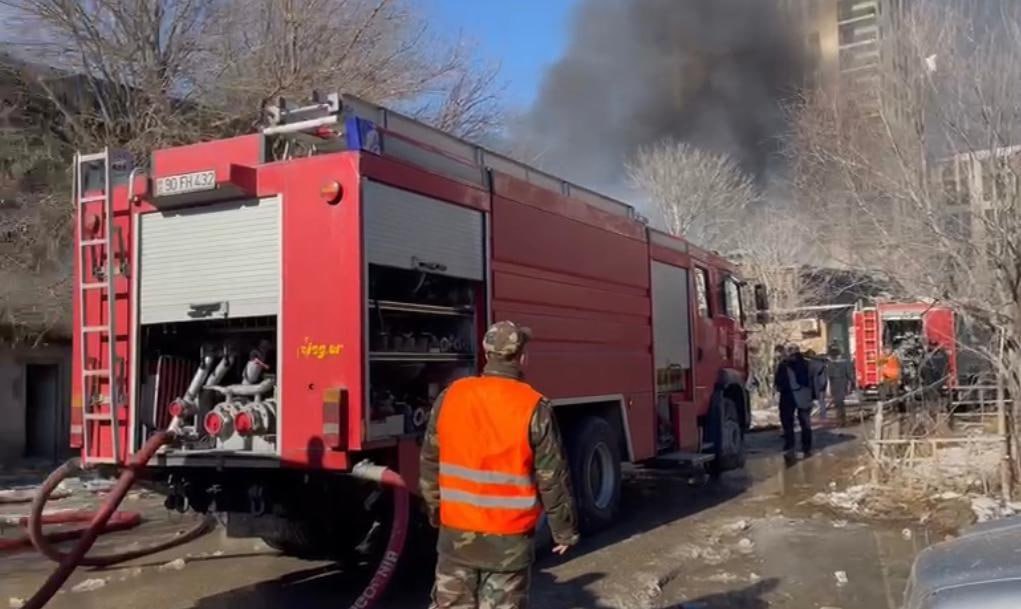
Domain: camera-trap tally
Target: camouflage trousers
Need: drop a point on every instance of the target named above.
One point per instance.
(460, 587)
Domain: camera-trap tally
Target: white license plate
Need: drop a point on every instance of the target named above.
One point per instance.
(185, 183)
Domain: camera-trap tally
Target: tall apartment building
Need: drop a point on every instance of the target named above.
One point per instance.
(978, 186)
(851, 45)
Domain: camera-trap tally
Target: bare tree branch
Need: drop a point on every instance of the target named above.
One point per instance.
(702, 196)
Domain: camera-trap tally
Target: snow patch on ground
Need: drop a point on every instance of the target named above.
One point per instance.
(90, 585)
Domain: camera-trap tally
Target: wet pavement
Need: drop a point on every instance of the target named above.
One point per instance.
(748, 541)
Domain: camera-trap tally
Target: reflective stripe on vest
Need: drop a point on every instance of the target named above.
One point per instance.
(477, 475)
(485, 476)
(508, 503)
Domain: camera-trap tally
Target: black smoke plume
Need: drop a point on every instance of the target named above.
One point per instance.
(710, 72)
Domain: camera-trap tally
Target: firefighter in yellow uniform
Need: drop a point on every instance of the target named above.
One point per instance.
(492, 461)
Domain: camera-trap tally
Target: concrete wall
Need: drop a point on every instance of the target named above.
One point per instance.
(13, 395)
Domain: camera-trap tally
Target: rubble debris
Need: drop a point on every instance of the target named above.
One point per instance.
(177, 564)
(736, 527)
(686, 551)
(711, 555)
(651, 586)
(851, 499)
(746, 546)
(15, 602)
(27, 494)
(987, 508)
(724, 578)
(839, 524)
(75, 485)
(765, 419)
(951, 516)
(89, 585)
(906, 534)
(841, 577)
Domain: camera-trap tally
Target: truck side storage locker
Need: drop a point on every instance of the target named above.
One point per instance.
(410, 231)
(426, 268)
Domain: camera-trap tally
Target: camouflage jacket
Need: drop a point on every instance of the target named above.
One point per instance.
(505, 552)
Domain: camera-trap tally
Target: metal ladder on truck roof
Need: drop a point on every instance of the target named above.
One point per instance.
(97, 275)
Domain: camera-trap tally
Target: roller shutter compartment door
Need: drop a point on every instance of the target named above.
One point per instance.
(210, 262)
(411, 231)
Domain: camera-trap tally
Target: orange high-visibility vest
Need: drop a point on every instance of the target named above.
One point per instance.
(891, 368)
(486, 482)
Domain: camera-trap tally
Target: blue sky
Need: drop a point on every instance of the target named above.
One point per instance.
(525, 39)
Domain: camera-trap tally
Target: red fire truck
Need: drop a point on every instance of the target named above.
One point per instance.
(293, 300)
(882, 326)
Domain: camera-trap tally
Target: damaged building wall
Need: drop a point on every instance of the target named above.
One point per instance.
(35, 393)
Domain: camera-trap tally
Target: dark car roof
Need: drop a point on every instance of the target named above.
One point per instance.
(987, 553)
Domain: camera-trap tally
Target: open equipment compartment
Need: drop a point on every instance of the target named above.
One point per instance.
(209, 292)
(425, 302)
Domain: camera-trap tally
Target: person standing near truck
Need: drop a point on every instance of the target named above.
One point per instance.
(840, 374)
(796, 386)
(890, 373)
(492, 460)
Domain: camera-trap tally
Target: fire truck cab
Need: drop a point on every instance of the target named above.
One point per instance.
(295, 299)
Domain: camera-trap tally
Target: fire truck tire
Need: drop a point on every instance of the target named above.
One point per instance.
(593, 452)
(728, 440)
(298, 540)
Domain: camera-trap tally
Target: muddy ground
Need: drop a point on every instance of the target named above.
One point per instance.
(749, 541)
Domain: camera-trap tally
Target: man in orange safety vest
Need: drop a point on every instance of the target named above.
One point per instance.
(491, 462)
(890, 371)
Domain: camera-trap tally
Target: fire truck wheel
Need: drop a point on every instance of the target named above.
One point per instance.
(594, 458)
(729, 442)
(297, 540)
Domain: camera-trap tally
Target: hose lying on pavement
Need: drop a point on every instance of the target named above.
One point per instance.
(69, 561)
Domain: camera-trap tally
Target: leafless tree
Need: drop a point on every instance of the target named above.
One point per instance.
(702, 196)
(379, 50)
(922, 167)
(156, 72)
(142, 74)
(466, 104)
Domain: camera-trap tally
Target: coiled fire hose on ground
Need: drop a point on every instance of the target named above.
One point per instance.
(69, 561)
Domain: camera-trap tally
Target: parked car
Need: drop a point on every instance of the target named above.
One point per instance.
(981, 569)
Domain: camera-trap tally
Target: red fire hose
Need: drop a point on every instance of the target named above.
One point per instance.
(398, 532)
(69, 561)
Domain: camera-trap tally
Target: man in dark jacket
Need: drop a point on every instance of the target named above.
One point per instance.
(934, 370)
(795, 384)
(840, 374)
(817, 369)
